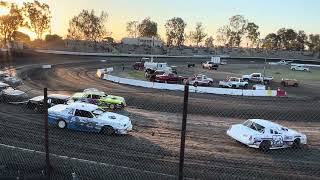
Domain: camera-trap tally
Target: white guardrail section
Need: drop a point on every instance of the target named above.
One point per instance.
(179, 87)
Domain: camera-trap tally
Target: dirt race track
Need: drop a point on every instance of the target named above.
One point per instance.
(151, 151)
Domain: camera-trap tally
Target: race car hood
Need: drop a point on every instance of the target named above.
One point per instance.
(109, 118)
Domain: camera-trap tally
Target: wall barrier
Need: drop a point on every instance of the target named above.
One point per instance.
(179, 87)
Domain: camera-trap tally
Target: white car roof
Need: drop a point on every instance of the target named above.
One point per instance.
(59, 96)
(2, 84)
(266, 123)
(83, 106)
(37, 98)
(13, 92)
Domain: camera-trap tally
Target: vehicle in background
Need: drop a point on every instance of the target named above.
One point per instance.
(259, 87)
(300, 68)
(216, 60)
(170, 78)
(3, 86)
(3, 74)
(282, 62)
(138, 66)
(257, 78)
(13, 95)
(99, 98)
(12, 81)
(210, 65)
(199, 80)
(151, 67)
(88, 117)
(151, 76)
(37, 104)
(266, 135)
(290, 82)
(234, 82)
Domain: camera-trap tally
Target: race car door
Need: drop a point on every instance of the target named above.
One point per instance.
(84, 121)
(277, 138)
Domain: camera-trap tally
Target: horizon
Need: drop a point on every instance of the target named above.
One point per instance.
(266, 15)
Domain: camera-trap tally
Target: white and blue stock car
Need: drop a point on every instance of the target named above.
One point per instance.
(265, 135)
(88, 117)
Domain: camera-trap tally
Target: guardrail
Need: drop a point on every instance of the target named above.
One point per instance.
(179, 87)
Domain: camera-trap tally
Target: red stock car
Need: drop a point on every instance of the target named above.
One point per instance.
(169, 78)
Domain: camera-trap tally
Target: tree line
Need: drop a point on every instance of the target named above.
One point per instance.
(88, 26)
(35, 16)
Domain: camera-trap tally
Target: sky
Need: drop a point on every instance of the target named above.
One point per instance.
(270, 15)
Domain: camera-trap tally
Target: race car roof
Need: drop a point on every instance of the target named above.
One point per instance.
(59, 96)
(3, 84)
(266, 123)
(83, 106)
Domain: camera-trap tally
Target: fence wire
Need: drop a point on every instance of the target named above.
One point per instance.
(151, 150)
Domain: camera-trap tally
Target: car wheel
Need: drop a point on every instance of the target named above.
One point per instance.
(62, 124)
(122, 105)
(195, 84)
(293, 69)
(295, 85)
(233, 86)
(283, 83)
(112, 106)
(246, 86)
(296, 144)
(265, 146)
(210, 84)
(108, 130)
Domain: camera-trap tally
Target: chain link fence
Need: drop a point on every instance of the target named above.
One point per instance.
(152, 149)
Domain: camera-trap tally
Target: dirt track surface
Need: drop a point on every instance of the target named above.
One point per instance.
(151, 151)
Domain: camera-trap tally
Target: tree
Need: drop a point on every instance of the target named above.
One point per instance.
(53, 38)
(148, 28)
(88, 26)
(223, 35)
(11, 22)
(132, 28)
(198, 35)
(19, 36)
(287, 38)
(271, 41)
(237, 26)
(302, 39)
(314, 42)
(39, 16)
(209, 42)
(175, 28)
(252, 32)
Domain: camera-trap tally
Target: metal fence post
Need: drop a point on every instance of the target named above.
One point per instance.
(46, 131)
(183, 130)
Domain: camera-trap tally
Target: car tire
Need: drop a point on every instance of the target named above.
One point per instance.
(245, 86)
(265, 146)
(112, 106)
(62, 124)
(107, 130)
(195, 84)
(234, 87)
(210, 84)
(295, 85)
(296, 144)
(293, 69)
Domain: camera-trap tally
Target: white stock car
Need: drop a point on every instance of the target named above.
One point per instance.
(88, 117)
(265, 135)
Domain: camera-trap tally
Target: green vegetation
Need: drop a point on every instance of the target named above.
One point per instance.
(136, 75)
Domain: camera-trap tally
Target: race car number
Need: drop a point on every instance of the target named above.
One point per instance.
(277, 141)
